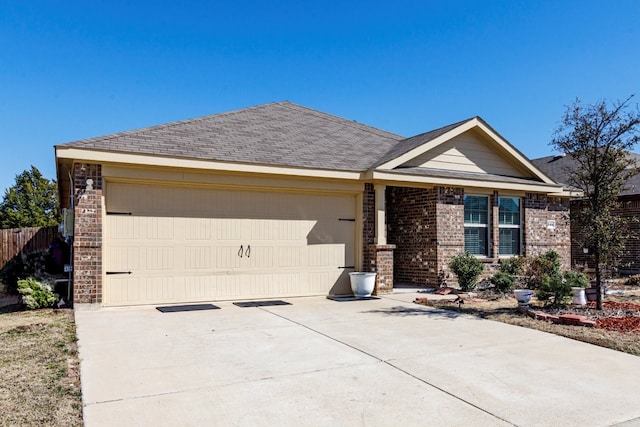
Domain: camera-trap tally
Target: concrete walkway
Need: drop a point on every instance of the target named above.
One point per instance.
(318, 362)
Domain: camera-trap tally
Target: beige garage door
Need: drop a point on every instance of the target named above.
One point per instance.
(179, 244)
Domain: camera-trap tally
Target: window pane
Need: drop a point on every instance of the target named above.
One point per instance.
(509, 241)
(475, 240)
(476, 210)
(509, 211)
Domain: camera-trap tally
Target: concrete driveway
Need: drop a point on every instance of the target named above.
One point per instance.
(318, 362)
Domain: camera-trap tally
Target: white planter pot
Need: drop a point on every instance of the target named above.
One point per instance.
(362, 284)
(579, 296)
(523, 296)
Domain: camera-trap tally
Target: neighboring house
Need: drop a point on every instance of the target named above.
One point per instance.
(558, 167)
(280, 200)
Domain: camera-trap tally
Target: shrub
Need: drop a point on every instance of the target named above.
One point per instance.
(23, 265)
(633, 281)
(556, 288)
(544, 265)
(503, 281)
(575, 279)
(467, 268)
(36, 294)
(505, 278)
(512, 265)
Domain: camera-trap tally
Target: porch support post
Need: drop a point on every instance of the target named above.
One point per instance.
(381, 220)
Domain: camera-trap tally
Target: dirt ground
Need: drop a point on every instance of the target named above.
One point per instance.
(39, 367)
(617, 325)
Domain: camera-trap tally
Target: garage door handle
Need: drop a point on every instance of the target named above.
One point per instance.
(240, 251)
(248, 252)
(118, 272)
(348, 266)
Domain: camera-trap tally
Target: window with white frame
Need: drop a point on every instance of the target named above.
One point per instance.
(509, 224)
(476, 225)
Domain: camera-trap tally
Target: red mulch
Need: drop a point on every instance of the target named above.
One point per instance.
(620, 324)
(617, 305)
(625, 324)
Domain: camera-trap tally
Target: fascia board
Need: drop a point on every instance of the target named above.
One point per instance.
(396, 178)
(147, 160)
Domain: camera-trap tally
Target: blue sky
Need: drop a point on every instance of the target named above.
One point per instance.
(71, 70)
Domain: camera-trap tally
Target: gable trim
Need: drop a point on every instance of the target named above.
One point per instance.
(478, 123)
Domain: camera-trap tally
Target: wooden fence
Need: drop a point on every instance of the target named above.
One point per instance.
(16, 240)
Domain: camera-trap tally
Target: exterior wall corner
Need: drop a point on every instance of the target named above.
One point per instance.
(87, 240)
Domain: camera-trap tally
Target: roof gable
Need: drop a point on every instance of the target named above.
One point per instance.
(467, 146)
(469, 152)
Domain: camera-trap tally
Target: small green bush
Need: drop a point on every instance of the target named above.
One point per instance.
(556, 288)
(503, 281)
(512, 265)
(575, 279)
(544, 265)
(467, 268)
(36, 294)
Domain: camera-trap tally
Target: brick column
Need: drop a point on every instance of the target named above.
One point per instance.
(368, 225)
(87, 240)
(383, 267)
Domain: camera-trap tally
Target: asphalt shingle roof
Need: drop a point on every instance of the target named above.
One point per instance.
(277, 134)
(558, 167)
(282, 134)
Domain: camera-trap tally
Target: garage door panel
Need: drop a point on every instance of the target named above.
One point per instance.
(290, 256)
(213, 228)
(123, 258)
(198, 258)
(227, 258)
(122, 227)
(141, 290)
(184, 244)
(198, 229)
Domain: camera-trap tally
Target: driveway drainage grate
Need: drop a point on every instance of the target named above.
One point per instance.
(268, 303)
(191, 307)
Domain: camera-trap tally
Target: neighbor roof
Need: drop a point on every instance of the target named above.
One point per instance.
(279, 133)
(558, 167)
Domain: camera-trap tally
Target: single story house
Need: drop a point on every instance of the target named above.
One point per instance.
(558, 167)
(280, 200)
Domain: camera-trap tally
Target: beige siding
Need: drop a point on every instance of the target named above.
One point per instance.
(470, 153)
(195, 244)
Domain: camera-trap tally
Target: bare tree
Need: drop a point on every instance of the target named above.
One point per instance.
(599, 137)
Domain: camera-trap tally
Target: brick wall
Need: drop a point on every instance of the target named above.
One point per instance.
(411, 226)
(427, 226)
(450, 227)
(630, 259)
(87, 241)
(540, 212)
